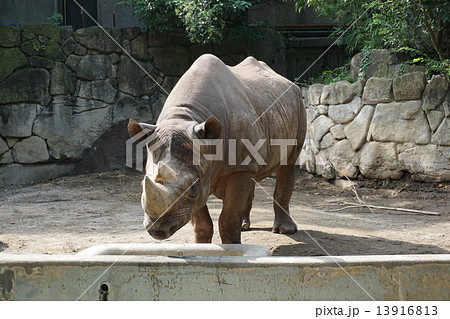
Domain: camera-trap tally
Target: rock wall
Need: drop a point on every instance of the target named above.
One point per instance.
(380, 129)
(61, 91)
(65, 98)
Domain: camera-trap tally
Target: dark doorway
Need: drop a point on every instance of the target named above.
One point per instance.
(75, 18)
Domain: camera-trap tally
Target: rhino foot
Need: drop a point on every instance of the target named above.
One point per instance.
(287, 227)
(245, 225)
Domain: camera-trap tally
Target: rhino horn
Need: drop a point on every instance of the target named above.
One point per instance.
(165, 174)
(155, 198)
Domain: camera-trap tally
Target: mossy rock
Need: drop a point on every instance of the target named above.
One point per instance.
(9, 36)
(53, 51)
(50, 50)
(50, 31)
(12, 59)
(32, 47)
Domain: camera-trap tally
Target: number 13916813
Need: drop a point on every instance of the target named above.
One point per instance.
(407, 310)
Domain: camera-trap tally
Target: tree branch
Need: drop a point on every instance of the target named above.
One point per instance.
(434, 40)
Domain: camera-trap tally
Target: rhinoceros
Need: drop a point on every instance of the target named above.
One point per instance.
(250, 110)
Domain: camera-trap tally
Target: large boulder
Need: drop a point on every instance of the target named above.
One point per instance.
(139, 47)
(337, 93)
(314, 93)
(344, 159)
(30, 85)
(137, 80)
(425, 163)
(9, 36)
(95, 38)
(68, 134)
(17, 120)
(435, 119)
(41, 62)
(379, 161)
(344, 113)
(94, 67)
(171, 61)
(11, 60)
(73, 61)
(378, 90)
(409, 86)
(338, 132)
(50, 49)
(435, 92)
(3, 146)
(380, 63)
(442, 135)
(69, 46)
(356, 131)
(30, 150)
(323, 165)
(49, 31)
(400, 122)
(62, 80)
(144, 109)
(319, 127)
(97, 90)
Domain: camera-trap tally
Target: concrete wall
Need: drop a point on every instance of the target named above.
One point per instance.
(43, 277)
(27, 11)
(123, 15)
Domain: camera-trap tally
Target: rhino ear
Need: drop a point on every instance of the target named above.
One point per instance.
(139, 130)
(211, 128)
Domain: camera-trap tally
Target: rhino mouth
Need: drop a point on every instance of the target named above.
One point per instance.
(163, 229)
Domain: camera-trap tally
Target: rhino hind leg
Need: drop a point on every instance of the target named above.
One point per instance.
(203, 225)
(284, 186)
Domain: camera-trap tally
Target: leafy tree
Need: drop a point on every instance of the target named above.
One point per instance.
(203, 20)
(421, 25)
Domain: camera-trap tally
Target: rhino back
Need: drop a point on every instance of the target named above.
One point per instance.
(250, 100)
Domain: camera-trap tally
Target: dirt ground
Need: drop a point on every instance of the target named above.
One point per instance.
(66, 215)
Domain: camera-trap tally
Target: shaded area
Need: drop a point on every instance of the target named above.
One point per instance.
(318, 243)
(109, 151)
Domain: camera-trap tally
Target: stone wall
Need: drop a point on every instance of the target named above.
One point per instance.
(62, 92)
(65, 98)
(384, 128)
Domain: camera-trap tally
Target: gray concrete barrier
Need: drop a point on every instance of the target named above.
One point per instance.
(143, 277)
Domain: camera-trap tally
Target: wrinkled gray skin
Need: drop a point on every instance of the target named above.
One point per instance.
(215, 101)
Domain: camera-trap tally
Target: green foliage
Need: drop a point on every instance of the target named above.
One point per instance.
(158, 15)
(251, 34)
(336, 75)
(365, 62)
(56, 19)
(420, 28)
(204, 21)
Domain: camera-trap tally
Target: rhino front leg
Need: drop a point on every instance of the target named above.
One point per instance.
(246, 218)
(203, 225)
(284, 187)
(236, 202)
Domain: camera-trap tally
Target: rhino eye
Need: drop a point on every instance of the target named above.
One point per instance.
(193, 190)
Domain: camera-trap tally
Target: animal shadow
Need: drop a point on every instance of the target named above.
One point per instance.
(317, 243)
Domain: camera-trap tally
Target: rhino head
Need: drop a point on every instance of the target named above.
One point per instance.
(173, 187)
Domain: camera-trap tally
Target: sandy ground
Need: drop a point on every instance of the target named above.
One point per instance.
(66, 215)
